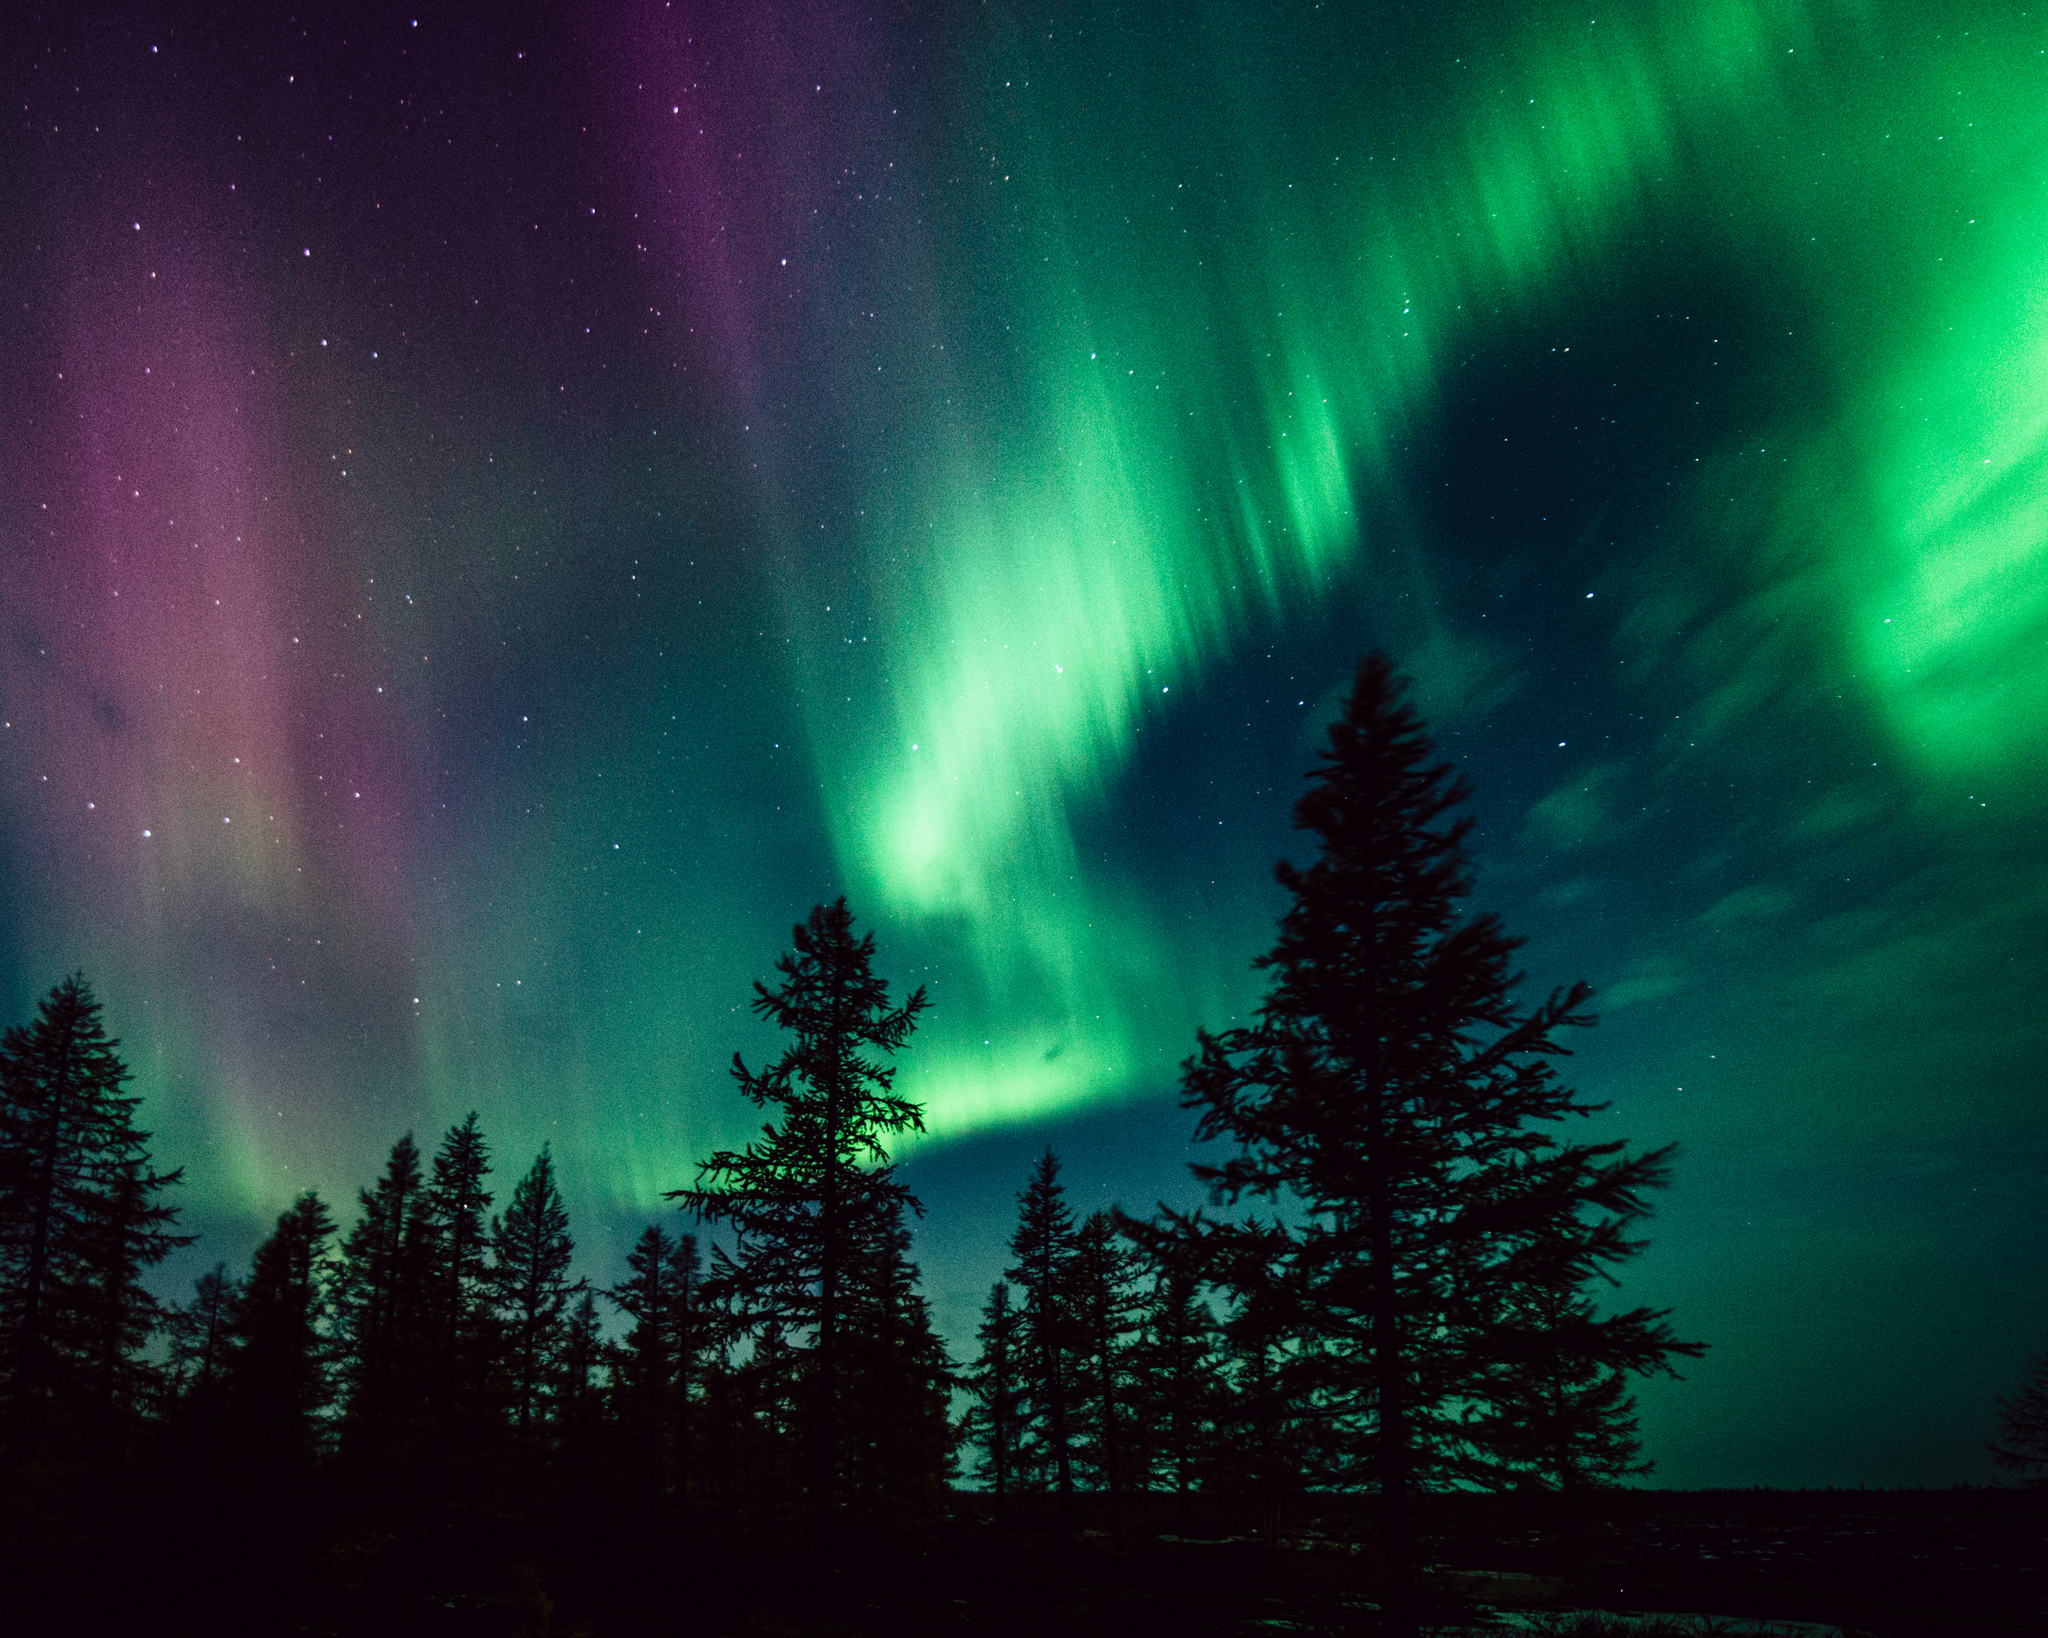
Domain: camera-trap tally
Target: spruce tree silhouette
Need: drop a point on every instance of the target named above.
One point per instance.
(1045, 1247)
(1176, 1384)
(531, 1253)
(382, 1302)
(78, 1226)
(201, 1335)
(2023, 1426)
(1105, 1303)
(127, 1234)
(995, 1420)
(460, 1323)
(1393, 1094)
(808, 1201)
(278, 1375)
(646, 1357)
(693, 1327)
(897, 1382)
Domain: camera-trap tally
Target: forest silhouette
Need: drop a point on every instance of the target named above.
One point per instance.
(428, 1421)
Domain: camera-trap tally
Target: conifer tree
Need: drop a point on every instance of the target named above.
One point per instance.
(1265, 1448)
(1394, 1094)
(2023, 1426)
(577, 1390)
(78, 1219)
(1045, 1247)
(692, 1329)
(383, 1304)
(1105, 1271)
(810, 1198)
(995, 1421)
(1177, 1381)
(531, 1254)
(898, 1381)
(647, 1357)
(127, 1234)
(460, 1320)
(201, 1334)
(279, 1380)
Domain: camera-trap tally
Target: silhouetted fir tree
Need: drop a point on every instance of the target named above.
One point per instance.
(897, 1383)
(578, 1390)
(77, 1222)
(1392, 1091)
(1263, 1448)
(995, 1420)
(644, 1369)
(1177, 1384)
(460, 1322)
(531, 1252)
(201, 1336)
(1557, 1412)
(127, 1233)
(692, 1328)
(382, 1302)
(1045, 1247)
(1105, 1272)
(806, 1200)
(279, 1380)
(2023, 1426)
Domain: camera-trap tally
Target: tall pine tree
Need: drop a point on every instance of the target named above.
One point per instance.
(815, 1203)
(279, 1374)
(1106, 1300)
(459, 1333)
(995, 1419)
(1045, 1247)
(530, 1256)
(663, 1275)
(1394, 1095)
(79, 1224)
(1177, 1384)
(383, 1303)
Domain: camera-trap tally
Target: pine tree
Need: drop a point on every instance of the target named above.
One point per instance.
(78, 1221)
(2023, 1426)
(897, 1383)
(995, 1421)
(809, 1198)
(126, 1234)
(531, 1253)
(201, 1336)
(278, 1377)
(1393, 1093)
(459, 1316)
(1045, 1247)
(1105, 1271)
(1557, 1413)
(383, 1306)
(577, 1388)
(692, 1332)
(1177, 1384)
(661, 1363)
(1264, 1448)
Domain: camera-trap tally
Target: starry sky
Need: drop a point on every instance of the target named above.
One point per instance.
(504, 508)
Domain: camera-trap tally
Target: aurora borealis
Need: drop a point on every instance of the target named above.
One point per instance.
(506, 508)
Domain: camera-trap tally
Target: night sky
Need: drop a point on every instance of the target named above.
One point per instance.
(506, 509)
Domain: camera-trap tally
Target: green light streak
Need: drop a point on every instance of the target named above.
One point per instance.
(1199, 451)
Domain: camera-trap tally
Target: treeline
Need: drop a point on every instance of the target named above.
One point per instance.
(441, 1349)
(1393, 1289)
